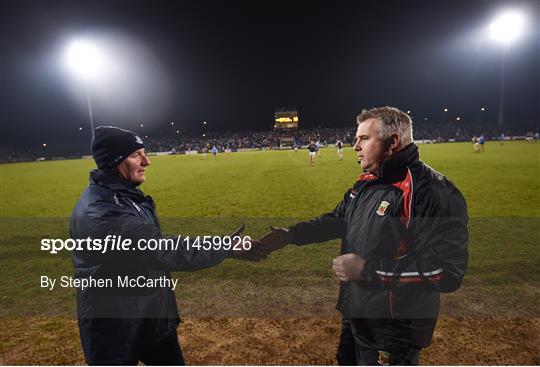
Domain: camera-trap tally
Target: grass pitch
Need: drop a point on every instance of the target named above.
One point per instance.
(213, 196)
(503, 181)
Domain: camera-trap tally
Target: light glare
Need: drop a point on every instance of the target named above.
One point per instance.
(84, 59)
(507, 27)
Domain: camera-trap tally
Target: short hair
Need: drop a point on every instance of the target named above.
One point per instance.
(391, 121)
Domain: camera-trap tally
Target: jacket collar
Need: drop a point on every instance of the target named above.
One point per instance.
(113, 181)
(395, 168)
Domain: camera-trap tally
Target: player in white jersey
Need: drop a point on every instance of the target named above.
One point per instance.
(318, 146)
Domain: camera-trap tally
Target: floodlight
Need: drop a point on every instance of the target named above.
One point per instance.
(84, 59)
(507, 27)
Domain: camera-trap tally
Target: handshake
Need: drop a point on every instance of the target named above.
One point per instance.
(347, 267)
(274, 240)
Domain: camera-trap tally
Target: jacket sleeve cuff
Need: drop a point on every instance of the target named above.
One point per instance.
(369, 273)
(295, 236)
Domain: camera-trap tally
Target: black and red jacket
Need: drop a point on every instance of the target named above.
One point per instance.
(410, 224)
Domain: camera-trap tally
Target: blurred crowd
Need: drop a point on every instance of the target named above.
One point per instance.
(279, 140)
(250, 140)
(234, 141)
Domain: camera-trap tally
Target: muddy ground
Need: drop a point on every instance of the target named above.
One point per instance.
(305, 341)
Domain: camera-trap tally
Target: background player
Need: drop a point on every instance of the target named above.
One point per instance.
(312, 148)
(339, 145)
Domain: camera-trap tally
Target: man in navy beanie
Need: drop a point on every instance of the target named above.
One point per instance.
(122, 325)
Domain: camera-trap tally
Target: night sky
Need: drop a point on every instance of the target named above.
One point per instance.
(232, 63)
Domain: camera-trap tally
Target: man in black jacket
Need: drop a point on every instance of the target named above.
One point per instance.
(127, 324)
(403, 230)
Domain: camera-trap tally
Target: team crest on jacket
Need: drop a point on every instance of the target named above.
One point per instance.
(382, 208)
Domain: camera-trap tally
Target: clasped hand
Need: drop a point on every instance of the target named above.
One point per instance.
(274, 240)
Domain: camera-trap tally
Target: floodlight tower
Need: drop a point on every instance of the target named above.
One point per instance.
(86, 62)
(505, 29)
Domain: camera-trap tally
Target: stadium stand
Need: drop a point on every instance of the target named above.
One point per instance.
(236, 141)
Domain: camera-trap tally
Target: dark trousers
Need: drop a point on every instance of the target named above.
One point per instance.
(355, 349)
(165, 353)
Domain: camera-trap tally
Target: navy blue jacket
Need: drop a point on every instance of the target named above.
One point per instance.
(118, 324)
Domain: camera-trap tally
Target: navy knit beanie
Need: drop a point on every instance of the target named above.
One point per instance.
(111, 145)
